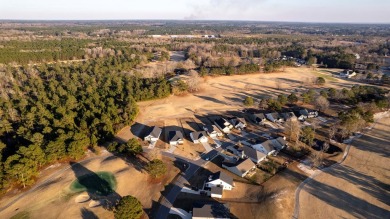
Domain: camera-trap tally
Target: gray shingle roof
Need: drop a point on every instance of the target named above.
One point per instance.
(211, 211)
(198, 135)
(175, 136)
(222, 176)
(253, 153)
(155, 132)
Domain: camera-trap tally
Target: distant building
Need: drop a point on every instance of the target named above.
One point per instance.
(238, 123)
(257, 118)
(253, 154)
(347, 74)
(223, 125)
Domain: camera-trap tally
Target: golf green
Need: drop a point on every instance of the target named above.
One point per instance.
(99, 183)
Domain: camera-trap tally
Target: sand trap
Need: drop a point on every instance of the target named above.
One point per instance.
(82, 198)
(95, 203)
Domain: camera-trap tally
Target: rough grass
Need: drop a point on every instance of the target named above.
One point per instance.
(21, 215)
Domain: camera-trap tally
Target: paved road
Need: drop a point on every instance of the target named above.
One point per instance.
(167, 201)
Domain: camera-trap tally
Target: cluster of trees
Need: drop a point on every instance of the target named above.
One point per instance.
(54, 112)
(39, 50)
(131, 147)
(129, 207)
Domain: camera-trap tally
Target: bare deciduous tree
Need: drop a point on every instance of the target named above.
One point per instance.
(322, 103)
(193, 81)
(293, 129)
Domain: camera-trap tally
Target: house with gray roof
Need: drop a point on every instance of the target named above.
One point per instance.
(223, 125)
(220, 179)
(266, 147)
(211, 211)
(212, 131)
(274, 117)
(175, 138)
(240, 168)
(257, 118)
(199, 137)
(253, 154)
(153, 135)
(279, 143)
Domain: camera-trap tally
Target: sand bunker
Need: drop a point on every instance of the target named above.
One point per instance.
(82, 198)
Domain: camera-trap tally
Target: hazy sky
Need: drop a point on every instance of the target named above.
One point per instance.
(366, 11)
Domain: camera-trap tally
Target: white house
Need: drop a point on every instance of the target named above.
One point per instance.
(253, 154)
(266, 147)
(238, 123)
(153, 135)
(279, 143)
(175, 138)
(212, 131)
(199, 137)
(257, 118)
(347, 74)
(220, 179)
(274, 117)
(241, 168)
(223, 125)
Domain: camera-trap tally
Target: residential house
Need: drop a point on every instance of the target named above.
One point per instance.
(241, 168)
(238, 123)
(301, 115)
(257, 118)
(360, 66)
(216, 192)
(175, 138)
(288, 115)
(220, 179)
(274, 117)
(153, 135)
(253, 154)
(347, 74)
(266, 147)
(236, 151)
(199, 137)
(223, 125)
(212, 131)
(211, 211)
(280, 143)
(312, 114)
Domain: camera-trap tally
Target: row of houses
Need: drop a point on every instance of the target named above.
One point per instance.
(274, 117)
(250, 155)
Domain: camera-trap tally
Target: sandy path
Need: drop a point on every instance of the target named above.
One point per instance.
(359, 187)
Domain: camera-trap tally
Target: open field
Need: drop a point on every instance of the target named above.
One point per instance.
(228, 92)
(54, 198)
(359, 187)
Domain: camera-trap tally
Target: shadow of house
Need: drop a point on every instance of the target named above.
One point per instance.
(87, 214)
(97, 186)
(211, 99)
(140, 130)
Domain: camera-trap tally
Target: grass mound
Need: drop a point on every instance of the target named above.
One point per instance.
(99, 183)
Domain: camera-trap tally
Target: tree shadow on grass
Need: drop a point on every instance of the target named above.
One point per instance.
(87, 214)
(99, 186)
(340, 199)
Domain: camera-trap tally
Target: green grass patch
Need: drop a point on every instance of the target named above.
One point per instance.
(99, 183)
(324, 74)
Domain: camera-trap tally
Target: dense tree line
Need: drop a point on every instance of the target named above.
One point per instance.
(54, 112)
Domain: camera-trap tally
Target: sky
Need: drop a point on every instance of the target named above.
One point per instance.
(350, 11)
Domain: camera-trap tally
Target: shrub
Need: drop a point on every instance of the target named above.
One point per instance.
(248, 101)
(128, 208)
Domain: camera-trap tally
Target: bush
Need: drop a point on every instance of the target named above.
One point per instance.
(248, 101)
(320, 81)
(128, 208)
(157, 168)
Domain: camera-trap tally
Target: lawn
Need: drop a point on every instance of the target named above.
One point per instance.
(99, 183)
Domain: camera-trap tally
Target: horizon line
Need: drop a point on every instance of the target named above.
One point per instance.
(189, 20)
